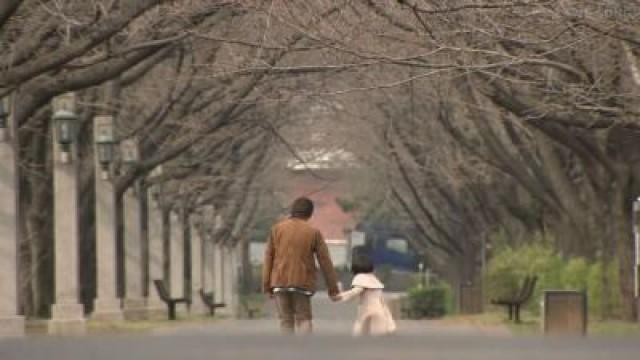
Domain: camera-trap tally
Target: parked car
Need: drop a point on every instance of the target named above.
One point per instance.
(387, 246)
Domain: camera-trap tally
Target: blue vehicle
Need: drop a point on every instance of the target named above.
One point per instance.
(385, 245)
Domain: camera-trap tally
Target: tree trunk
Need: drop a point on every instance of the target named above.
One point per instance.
(36, 217)
(624, 241)
(247, 270)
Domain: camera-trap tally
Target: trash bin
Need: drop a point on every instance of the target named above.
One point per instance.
(565, 312)
(470, 299)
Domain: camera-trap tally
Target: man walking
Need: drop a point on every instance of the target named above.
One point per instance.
(289, 272)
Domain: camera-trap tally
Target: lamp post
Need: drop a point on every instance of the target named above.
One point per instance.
(219, 261)
(156, 190)
(176, 253)
(4, 122)
(134, 303)
(107, 303)
(208, 215)
(67, 314)
(65, 123)
(11, 323)
(636, 237)
(104, 144)
(129, 151)
(155, 243)
(196, 256)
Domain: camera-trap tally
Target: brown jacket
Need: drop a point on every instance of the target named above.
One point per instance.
(289, 260)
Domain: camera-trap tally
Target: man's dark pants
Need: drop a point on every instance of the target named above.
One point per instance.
(294, 310)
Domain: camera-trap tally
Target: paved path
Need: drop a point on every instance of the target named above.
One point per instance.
(248, 340)
(330, 319)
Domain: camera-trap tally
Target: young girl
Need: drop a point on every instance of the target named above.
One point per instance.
(374, 318)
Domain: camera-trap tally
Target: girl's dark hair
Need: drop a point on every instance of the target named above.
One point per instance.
(361, 264)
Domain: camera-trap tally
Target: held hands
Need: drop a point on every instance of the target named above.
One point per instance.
(336, 296)
(269, 293)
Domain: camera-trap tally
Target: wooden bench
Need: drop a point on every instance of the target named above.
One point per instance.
(251, 311)
(208, 299)
(167, 299)
(514, 303)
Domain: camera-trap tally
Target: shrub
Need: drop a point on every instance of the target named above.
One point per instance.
(509, 266)
(596, 292)
(429, 302)
(575, 274)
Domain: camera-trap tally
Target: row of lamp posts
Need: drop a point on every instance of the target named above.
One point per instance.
(67, 312)
(106, 144)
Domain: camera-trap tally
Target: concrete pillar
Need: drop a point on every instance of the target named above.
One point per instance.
(67, 314)
(154, 304)
(177, 259)
(107, 304)
(231, 293)
(208, 269)
(11, 324)
(218, 265)
(197, 306)
(134, 302)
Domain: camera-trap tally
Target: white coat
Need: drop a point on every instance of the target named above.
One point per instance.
(374, 317)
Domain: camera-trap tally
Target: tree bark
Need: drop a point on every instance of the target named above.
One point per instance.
(623, 234)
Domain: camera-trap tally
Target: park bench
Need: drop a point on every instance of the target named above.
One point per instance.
(208, 299)
(513, 303)
(251, 310)
(167, 299)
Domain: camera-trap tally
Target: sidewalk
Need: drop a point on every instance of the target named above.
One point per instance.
(323, 327)
(334, 319)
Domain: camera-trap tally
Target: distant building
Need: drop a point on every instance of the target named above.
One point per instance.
(322, 160)
(324, 186)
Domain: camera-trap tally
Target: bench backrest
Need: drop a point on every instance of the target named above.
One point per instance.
(529, 289)
(162, 290)
(207, 298)
(523, 289)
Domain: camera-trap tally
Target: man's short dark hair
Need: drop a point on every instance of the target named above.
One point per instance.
(361, 264)
(302, 208)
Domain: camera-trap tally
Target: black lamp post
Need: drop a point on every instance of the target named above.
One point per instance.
(155, 193)
(105, 143)
(4, 116)
(198, 217)
(156, 189)
(130, 156)
(65, 122)
(129, 151)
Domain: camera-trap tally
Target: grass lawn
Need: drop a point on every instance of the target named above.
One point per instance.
(484, 319)
(532, 324)
(124, 326)
(614, 328)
